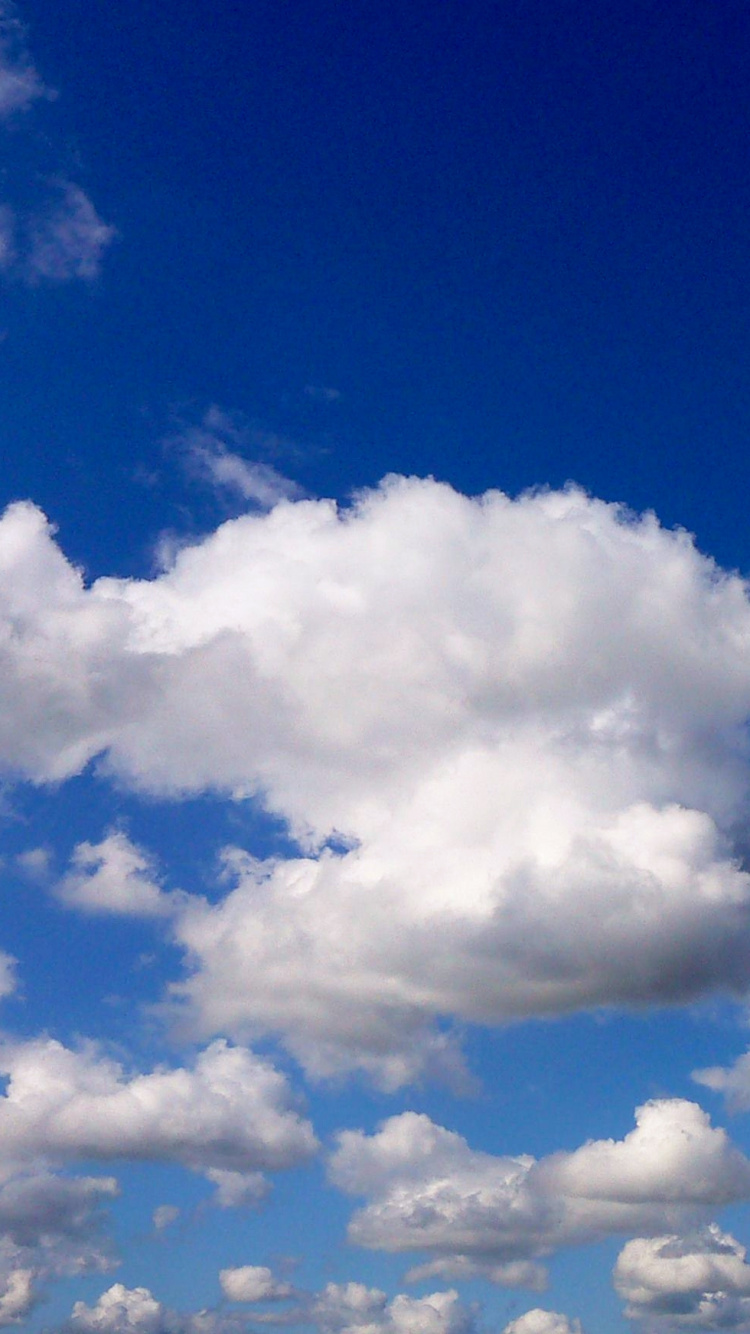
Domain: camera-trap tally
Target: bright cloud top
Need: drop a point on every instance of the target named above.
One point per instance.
(232, 1111)
(473, 1213)
(521, 721)
(543, 1322)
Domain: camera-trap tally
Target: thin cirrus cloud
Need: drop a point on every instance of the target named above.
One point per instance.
(508, 737)
(475, 1214)
(215, 452)
(20, 82)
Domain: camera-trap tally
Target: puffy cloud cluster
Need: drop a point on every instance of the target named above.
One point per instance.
(122, 1310)
(518, 726)
(700, 1281)
(49, 1226)
(230, 1117)
(427, 1191)
(347, 1308)
(352, 1308)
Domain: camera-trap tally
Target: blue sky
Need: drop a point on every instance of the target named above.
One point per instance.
(375, 943)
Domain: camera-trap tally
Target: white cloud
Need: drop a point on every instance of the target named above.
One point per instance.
(700, 1281)
(523, 721)
(68, 239)
(164, 1216)
(18, 1297)
(229, 1116)
(253, 1283)
(348, 1308)
(122, 1310)
(427, 1190)
(543, 1322)
(237, 1190)
(231, 1111)
(114, 876)
(213, 452)
(733, 1081)
(8, 976)
(352, 1308)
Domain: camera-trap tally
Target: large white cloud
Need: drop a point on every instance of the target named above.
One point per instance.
(427, 1191)
(700, 1281)
(231, 1111)
(522, 721)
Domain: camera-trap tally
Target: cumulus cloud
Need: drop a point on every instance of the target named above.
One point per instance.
(427, 1190)
(17, 1299)
(122, 1310)
(230, 1111)
(50, 1226)
(214, 453)
(253, 1283)
(114, 877)
(348, 1308)
(700, 1281)
(543, 1322)
(229, 1116)
(509, 737)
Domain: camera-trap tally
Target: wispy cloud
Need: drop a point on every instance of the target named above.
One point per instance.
(20, 82)
(62, 237)
(68, 239)
(216, 451)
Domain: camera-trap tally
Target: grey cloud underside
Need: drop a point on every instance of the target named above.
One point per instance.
(699, 1281)
(523, 721)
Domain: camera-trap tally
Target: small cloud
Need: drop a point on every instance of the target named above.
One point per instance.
(68, 240)
(34, 863)
(322, 393)
(114, 878)
(20, 83)
(214, 452)
(164, 1216)
(253, 1283)
(238, 1190)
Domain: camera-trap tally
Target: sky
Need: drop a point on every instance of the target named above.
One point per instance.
(374, 667)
